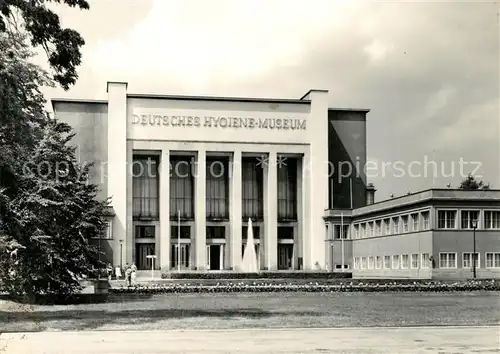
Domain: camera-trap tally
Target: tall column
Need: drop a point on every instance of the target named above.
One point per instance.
(164, 212)
(271, 213)
(235, 213)
(200, 212)
(117, 176)
(298, 236)
(307, 221)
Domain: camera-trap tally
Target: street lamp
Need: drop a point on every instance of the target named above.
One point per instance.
(121, 255)
(474, 227)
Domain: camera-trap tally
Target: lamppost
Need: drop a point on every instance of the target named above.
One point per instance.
(121, 255)
(474, 227)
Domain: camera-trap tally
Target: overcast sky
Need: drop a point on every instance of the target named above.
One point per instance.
(428, 71)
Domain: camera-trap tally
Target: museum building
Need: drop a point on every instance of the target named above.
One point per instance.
(185, 175)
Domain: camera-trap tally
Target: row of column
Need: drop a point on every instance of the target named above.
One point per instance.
(235, 206)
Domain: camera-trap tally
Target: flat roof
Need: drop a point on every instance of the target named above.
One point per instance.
(215, 98)
(350, 109)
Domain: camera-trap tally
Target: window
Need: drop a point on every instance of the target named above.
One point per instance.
(387, 262)
(493, 260)
(345, 233)
(252, 189)
(181, 188)
(217, 189)
(142, 231)
(447, 260)
(414, 220)
(378, 227)
(425, 261)
(287, 189)
(467, 260)
(395, 261)
(356, 231)
(467, 216)
(395, 224)
(363, 263)
(363, 230)
(492, 219)
(378, 262)
(107, 233)
(370, 262)
(414, 261)
(405, 261)
(370, 229)
(447, 219)
(182, 232)
(356, 262)
(145, 184)
(387, 226)
(404, 218)
(425, 220)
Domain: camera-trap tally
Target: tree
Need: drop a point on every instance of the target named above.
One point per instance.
(54, 218)
(470, 183)
(62, 45)
(48, 210)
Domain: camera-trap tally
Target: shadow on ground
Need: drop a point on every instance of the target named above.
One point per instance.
(92, 318)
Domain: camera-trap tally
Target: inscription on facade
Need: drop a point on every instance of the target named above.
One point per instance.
(219, 122)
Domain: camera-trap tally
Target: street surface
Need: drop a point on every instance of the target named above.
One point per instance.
(340, 340)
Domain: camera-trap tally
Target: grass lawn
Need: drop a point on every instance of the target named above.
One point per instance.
(246, 310)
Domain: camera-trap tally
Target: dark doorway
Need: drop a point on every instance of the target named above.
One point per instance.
(141, 252)
(215, 257)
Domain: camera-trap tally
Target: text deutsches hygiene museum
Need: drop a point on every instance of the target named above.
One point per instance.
(219, 122)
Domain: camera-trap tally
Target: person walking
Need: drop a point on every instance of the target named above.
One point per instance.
(109, 268)
(134, 274)
(128, 275)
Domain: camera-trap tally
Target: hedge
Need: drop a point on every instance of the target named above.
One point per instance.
(428, 286)
(262, 275)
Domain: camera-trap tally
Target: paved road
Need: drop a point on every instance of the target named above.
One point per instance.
(347, 340)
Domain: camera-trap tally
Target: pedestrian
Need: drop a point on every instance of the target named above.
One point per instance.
(128, 275)
(109, 268)
(134, 273)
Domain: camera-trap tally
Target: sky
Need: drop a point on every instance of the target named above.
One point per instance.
(428, 71)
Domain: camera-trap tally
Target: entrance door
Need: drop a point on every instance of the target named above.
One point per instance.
(285, 255)
(142, 250)
(215, 256)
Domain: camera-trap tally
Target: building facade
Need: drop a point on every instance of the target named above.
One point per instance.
(426, 235)
(186, 174)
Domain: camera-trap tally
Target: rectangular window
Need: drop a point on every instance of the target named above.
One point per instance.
(467, 260)
(425, 220)
(395, 224)
(181, 188)
(107, 233)
(447, 260)
(414, 261)
(252, 189)
(356, 231)
(387, 262)
(356, 262)
(467, 217)
(341, 235)
(404, 219)
(378, 262)
(425, 262)
(414, 221)
(145, 184)
(370, 262)
(493, 260)
(395, 261)
(184, 232)
(287, 189)
(363, 230)
(363, 263)
(217, 188)
(370, 229)
(387, 226)
(447, 219)
(405, 261)
(378, 227)
(491, 219)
